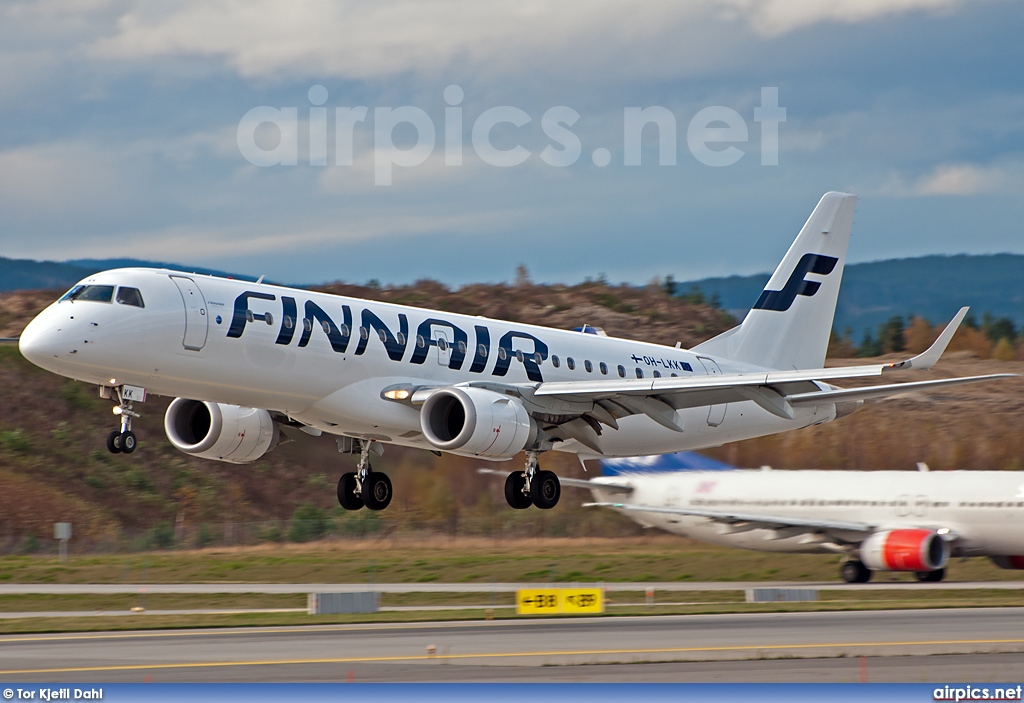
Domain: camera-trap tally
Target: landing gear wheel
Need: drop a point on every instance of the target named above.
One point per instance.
(514, 495)
(377, 491)
(114, 442)
(545, 490)
(854, 571)
(128, 442)
(930, 576)
(347, 496)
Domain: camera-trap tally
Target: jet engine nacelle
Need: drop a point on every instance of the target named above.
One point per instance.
(219, 431)
(476, 421)
(905, 550)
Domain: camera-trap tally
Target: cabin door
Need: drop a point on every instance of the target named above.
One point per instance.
(197, 322)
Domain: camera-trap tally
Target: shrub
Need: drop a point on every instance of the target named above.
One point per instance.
(308, 523)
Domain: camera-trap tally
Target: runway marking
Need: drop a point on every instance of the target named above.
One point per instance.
(372, 627)
(496, 655)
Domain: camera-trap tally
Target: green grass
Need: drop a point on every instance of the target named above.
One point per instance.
(659, 558)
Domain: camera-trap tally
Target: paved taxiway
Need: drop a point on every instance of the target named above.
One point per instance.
(510, 650)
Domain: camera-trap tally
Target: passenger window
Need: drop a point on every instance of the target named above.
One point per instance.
(130, 296)
(344, 330)
(571, 363)
(462, 347)
(519, 355)
(604, 368)
(622, 371)
(502, 354)
(287, 322)
(364, 333)
(538, 359)
(481, 351)
(382, 335)
(307, 324)
(327, 326)
(657, 374)
(554, 361)
(588, 366)
(96, 294)
(420, 342)
(639, 373)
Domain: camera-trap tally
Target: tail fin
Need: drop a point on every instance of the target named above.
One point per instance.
(789, 325)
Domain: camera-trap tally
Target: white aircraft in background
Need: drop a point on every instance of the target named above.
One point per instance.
(879, 520)
(245, 360)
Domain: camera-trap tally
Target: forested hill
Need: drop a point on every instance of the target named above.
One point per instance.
(934, 287)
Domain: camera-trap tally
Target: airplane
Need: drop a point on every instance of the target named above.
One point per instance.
(248, 363)
(911, 521)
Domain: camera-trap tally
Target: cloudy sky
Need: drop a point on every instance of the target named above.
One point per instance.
(125, 133)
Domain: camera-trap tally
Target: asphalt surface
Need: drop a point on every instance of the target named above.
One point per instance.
(830, 646)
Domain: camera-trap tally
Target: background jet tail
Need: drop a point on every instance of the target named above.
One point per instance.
(790, 324)
(662, 463)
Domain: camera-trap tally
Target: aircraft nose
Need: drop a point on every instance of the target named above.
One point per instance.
(40, 340)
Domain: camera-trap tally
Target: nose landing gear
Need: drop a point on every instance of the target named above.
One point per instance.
(123, 440)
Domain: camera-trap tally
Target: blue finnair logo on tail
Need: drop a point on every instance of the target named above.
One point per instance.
(782, 300)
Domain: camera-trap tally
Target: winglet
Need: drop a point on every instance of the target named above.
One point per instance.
(927, 358)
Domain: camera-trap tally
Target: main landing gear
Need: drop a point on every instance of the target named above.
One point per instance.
(532, 486)
(364, 486)
(854, 571)
(122, 440)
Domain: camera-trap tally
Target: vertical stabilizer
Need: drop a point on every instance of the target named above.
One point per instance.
(789, 325)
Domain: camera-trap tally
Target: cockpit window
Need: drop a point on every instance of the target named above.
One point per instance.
(130, 296)
(98, 294)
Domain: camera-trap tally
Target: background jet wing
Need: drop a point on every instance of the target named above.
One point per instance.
(754, 519)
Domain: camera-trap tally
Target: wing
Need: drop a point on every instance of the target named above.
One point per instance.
(775, 391)
(750, 520)
(579, 409)
(784, 526)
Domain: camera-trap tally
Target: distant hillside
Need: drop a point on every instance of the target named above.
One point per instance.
(932, 286)
(26, 274)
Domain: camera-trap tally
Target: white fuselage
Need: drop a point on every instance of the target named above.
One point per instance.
(323, 360)
(984, 510)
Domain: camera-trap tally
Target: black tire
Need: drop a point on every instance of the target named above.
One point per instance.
(930, 576)
(514, 495)
(347, 496)
(854, 572)
(128, 442)
(377, 491)
(114, 442)
(545, 490)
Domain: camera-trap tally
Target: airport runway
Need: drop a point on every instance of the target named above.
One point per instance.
(670, 586)
(830, 645)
